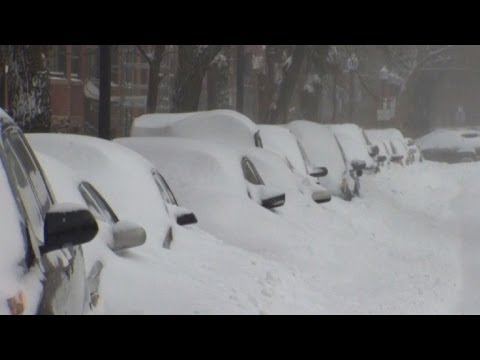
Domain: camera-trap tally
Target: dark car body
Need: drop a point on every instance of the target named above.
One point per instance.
(64, 288)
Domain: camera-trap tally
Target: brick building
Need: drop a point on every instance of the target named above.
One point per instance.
(74, 82)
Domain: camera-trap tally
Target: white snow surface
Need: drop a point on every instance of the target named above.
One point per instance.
(401, 248)
(408, 245)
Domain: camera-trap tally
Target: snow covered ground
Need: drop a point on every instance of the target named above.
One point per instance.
(408, 245)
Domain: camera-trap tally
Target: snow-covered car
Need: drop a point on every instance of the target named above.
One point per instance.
(226, 190)
(323, 150)
(69, 187)
(130, 183)
(152, 124)
(42, 269)
(225, 126)
(384, 150)
(354, 146)
(395, 142)
(451, 145)
(283, 143)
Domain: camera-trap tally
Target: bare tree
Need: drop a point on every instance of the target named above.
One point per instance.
(277, 74)
(193, 63)
(154, 61)
(316, 70)
(278, 112)
(28, 84)
(218, 90)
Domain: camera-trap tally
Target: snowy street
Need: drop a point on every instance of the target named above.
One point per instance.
(407, 246)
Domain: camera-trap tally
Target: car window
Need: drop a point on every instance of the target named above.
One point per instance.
(386, 148)
(250, 173)
(394, 149)
(167, 194)
(24, 155)
(470, 135)
(96, 203)
(366, 138)
(306, 161)
(25, 193)
(342, 152)
(258, 140)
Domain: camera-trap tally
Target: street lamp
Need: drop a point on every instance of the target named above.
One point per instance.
(352, 66)
(6, 88)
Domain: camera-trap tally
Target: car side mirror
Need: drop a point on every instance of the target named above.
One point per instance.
(183, 216)
(266, 196)
(127, 235)
(318, 171)
(187, 219)
(381, 158)
(374, 150)
(358, 165)
(67, 225)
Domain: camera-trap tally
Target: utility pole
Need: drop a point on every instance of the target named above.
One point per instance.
(240, 77)
(104, 97)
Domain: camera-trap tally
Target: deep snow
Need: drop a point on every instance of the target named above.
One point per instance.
(407, 246)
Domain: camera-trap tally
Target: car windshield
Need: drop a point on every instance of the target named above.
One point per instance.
(167, 194)
(97, 203)
(250, 172)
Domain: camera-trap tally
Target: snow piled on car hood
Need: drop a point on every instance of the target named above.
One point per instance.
(118, 173)
(353, 143)
(281, 141)
(322, 149)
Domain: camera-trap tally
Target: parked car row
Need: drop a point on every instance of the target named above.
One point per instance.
(213, 171)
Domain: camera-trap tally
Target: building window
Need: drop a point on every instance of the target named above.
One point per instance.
(114, 62)
(76, 63)
(58, 61)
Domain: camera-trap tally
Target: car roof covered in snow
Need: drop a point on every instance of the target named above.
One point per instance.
(322, 149)
(150, 124)
(63, 179)
(281, 141)
(353, 143)
(122, 176)
(225, 126)
(392, 137)
(450, 138)
(192, 163)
